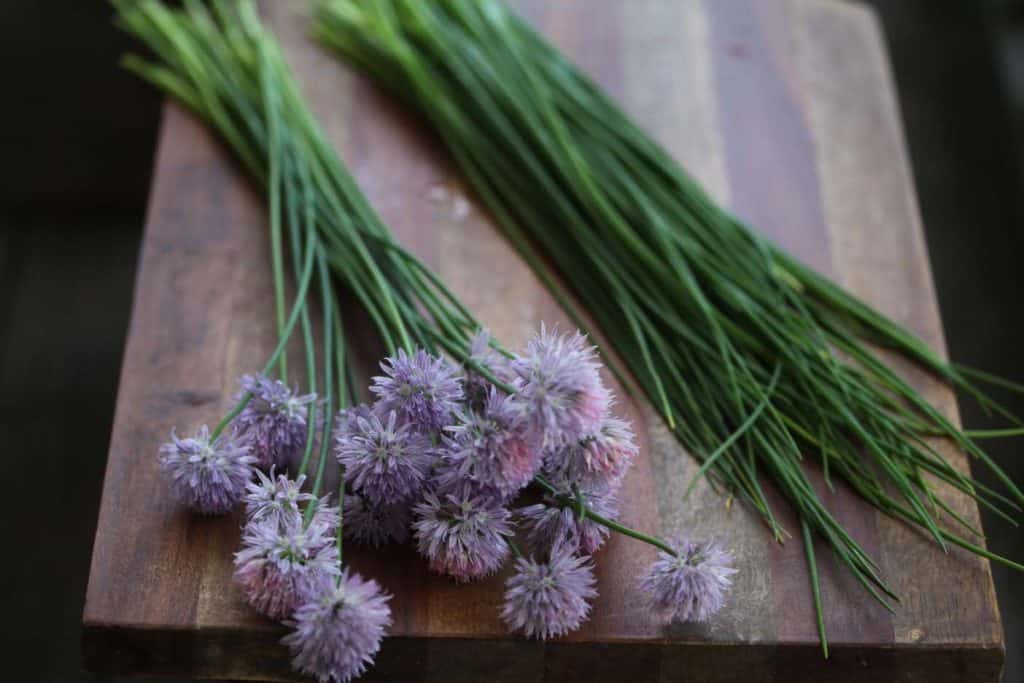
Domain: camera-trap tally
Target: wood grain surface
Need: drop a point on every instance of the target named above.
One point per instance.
(785, 110)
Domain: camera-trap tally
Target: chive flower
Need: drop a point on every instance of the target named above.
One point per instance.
(386, 460)
(421, 389)
(275, 497)
(549, 599)
(281, 567)
(550, 523)
(690, 586)
(274, 420)
(491, 446)
(464, 537)
(375, 524)
(337, 631)
(598, 460)
(207, 475)
(561, 389)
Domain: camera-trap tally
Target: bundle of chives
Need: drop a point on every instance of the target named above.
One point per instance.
(224, 66)
(752, 358)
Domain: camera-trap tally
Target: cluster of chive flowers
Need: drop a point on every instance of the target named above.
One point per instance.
(443, 456)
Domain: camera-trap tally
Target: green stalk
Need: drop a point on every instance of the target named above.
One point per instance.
(274, 191)
(339, 532)
(307, 327)
(812, 566)
(329, 307)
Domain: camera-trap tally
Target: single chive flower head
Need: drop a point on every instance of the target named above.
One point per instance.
(464, 537)
(280, 567)
(274, 420)
(275, 497)
(691, 586)
(561, 389)
(423, 390)
(491, 447)
(385, 459)
(337, 631)
(548, 599)
(209, 476)
(598, 460)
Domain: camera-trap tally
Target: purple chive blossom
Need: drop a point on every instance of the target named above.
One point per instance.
(548, 524)
(690, 587)
(373, 524)
(274, 420)
(490, 446)
(599, 460)
(481, 353)
(275, 497)
(337, 632)
(561, 387)
(279, 568)
(543, 600)
(460, 536)
(209, 477)
(423, 390)
(386, 461)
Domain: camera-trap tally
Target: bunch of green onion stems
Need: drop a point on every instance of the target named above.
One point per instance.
(222, 64)
(753, 359)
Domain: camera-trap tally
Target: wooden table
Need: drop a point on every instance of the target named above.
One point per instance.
(786, 111)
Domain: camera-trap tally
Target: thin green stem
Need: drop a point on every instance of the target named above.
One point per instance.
(274, 191)
(812, 567)
(339, 532)
(327, 294)
(993, 433)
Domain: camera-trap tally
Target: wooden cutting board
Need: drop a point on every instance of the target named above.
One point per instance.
(786, 111)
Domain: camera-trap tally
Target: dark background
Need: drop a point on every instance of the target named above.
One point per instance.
(76, 145)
